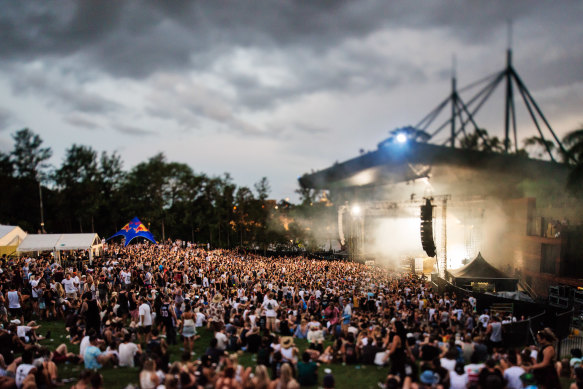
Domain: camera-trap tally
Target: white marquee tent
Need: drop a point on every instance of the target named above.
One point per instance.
(10, 238)
(61, 242)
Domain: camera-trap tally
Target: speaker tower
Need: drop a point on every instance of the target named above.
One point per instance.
(427, 228)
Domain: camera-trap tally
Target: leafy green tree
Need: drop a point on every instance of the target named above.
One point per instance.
(78, 182)
(480, 140)
(143, 192)
(28, 157)
(538, 147)
(6, 165)
(111, 178)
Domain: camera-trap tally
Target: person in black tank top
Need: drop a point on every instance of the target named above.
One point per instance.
(544, 369)
(91, 309)
(167, 315)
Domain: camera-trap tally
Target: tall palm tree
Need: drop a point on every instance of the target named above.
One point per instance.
(573, 142)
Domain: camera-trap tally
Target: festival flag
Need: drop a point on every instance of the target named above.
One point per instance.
(134, 229)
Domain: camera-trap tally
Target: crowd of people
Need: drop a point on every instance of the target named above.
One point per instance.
(297, 316)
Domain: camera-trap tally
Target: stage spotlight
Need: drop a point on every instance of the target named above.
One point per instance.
(355, 210)
(401, 138)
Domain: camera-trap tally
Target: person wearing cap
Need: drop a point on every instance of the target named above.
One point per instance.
(216, 312)
(288, 351)
(428, 379)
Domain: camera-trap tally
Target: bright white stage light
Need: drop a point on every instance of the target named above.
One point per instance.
(401, 138)
(355, 210)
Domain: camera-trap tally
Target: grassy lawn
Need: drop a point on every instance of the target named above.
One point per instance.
(351, 376)
(358, 376)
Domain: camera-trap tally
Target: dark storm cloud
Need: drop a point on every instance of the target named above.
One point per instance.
(134, 39)
(69, 97)
(322, 43)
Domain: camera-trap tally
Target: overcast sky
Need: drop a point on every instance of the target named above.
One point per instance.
(269, 87)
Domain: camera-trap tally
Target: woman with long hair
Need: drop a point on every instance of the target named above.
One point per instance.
(261, 379)
(148, 377)
(544, 369)
(188, 328)
(286, 379)
(397, 352)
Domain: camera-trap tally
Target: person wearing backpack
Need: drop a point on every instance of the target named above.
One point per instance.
(270, 307)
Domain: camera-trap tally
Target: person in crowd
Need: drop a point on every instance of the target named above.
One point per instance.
(149, 378)
(544, 369)
(285, 379)
(348, 312)
(307, 371)
(128, 352)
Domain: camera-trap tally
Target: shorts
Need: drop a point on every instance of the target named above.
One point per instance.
(15, 311)
(270, 320)
(72, 295)
(144, 329)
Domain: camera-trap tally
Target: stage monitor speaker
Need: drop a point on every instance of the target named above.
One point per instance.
(427, 228)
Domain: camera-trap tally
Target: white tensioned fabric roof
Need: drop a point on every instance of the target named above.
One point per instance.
(77, 241)
(5, 229)
(43, 242)
(11, 235)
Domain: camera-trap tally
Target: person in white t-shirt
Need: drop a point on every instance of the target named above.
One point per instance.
(222, 339)
(127, 352)
(199, 318)
(270, 307)
(25, 370)
(458, 378)
(83, 345)
(145, 321)
(512, 372)
(70, 289)
(35, 294)
(126, 277)
(484, 319)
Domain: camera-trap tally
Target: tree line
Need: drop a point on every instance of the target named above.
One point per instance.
(91, 192)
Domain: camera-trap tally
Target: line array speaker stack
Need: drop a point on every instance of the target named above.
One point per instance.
(427, 228)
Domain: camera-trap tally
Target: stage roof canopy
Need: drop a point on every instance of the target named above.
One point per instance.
(481, 272)
(396, 162)
(479, 269)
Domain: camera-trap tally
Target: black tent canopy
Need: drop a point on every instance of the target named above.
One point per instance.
(480, 275)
